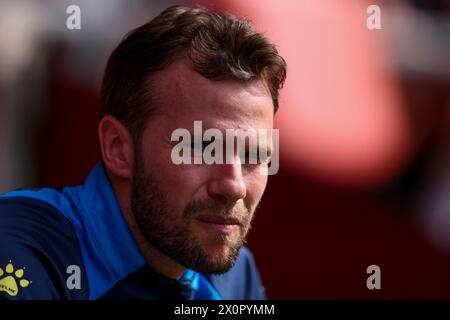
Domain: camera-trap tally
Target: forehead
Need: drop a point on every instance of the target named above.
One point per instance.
(185, 95)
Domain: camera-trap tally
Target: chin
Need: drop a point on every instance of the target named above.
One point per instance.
(214, 266)
(218, 258)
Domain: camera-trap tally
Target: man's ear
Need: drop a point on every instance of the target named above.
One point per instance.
(116, 145)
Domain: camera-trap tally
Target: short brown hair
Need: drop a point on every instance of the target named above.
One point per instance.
(218, 45)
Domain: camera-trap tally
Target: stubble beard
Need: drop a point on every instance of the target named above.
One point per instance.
(176, 240)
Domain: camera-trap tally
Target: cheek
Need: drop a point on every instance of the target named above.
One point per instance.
(256, 184)
(175, 182)
(178, 182)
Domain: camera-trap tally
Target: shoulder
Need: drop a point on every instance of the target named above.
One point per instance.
(243, 281)
(34, 222)
(37, 245)
(18, 214)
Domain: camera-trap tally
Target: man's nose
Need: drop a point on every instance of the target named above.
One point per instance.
(228, 183)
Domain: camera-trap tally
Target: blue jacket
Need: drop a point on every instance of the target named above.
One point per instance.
(73, 243)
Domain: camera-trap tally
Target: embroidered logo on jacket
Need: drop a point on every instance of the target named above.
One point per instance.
(9, 279)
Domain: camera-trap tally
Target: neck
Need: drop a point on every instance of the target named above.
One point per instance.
(159, 261)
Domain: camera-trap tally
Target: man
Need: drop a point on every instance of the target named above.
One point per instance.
(141, 226)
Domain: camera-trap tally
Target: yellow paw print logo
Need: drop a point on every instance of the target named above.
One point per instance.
(8, 280)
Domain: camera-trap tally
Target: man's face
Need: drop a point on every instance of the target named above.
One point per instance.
(199, 214)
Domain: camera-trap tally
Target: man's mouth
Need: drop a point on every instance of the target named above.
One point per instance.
(224, 225)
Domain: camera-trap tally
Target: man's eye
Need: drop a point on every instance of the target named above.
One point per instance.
(200, 146)
(249, 158)
(264, 157)
(195, 146)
